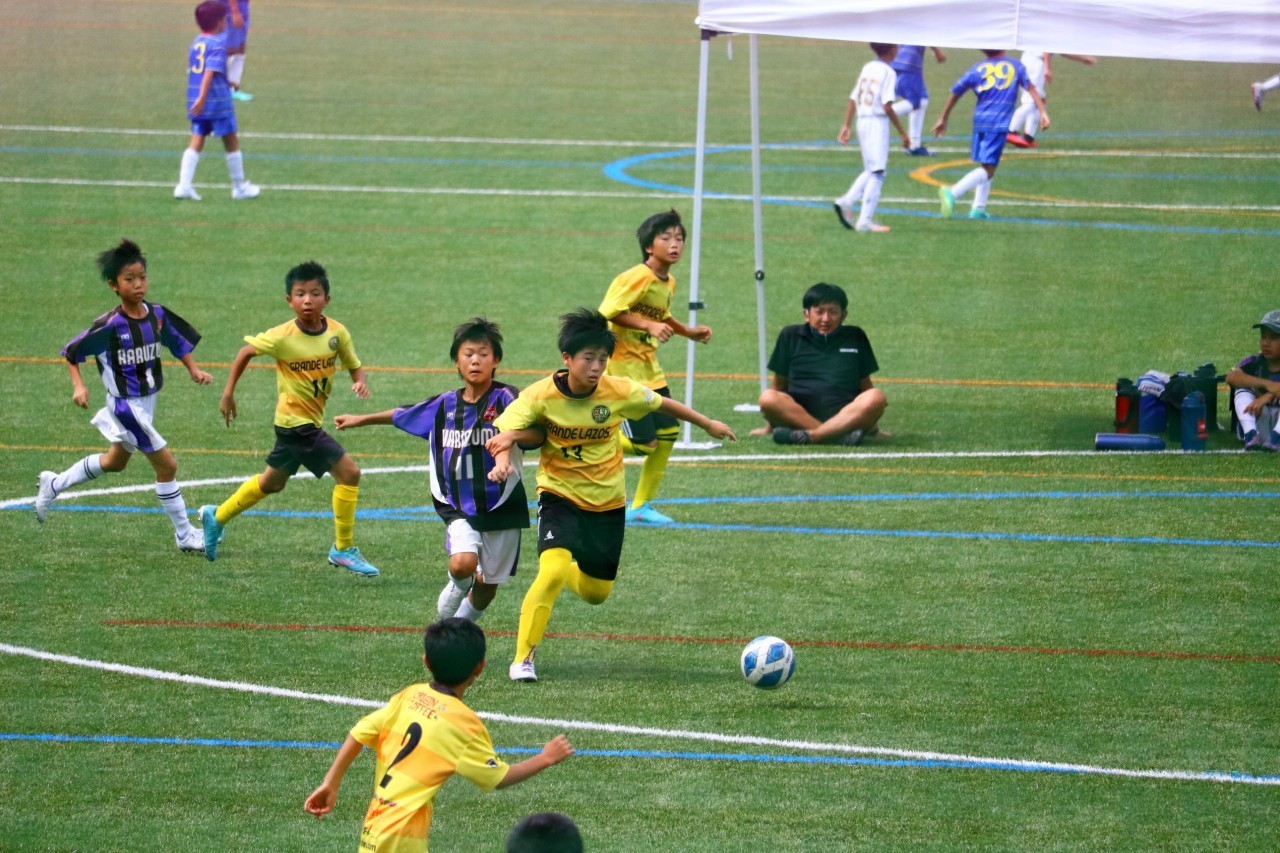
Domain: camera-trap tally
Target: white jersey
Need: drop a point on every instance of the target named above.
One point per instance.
(1033, 61)
(874, 89)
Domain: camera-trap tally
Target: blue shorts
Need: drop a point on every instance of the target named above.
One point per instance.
(987, 146)
(218, 127)
(911, 88)
(235, 37)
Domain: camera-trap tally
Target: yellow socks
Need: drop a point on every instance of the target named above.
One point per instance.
(589, 589)
(344, 515)
(246, 496)
(655, 466)
(554, 566)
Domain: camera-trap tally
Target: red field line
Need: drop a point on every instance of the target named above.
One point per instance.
(657, 638)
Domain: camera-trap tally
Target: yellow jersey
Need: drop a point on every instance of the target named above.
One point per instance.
(421, 737)
(638, 291)
(305, 364)
(582, 458)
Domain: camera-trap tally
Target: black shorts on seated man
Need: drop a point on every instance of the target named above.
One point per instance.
(821, 391)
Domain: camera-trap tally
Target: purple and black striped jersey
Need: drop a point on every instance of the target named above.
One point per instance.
(209, 53)
(127, 351)
(456, 431)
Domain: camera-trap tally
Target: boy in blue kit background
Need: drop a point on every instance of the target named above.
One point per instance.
(237, 39)
(909, 66)
(125, 343)
(209, 105)
(483, 519)
(995, 82)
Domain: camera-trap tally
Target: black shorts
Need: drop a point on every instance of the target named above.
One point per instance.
(594, 538)
(645, 429)
(307, 446)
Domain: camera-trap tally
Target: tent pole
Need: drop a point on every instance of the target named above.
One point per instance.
(757, 208)
(695, 242)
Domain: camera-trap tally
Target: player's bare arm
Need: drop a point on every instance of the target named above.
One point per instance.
(941, 126)
(325, 797)
(352, 421)
(556, 750)
(1044, 112)
(892, 115)
(79, 393)
(712, 427)
(198, 376)
(227, 405)
(627, 320)
(846, 129)
(197, 106)
(698, 334)
(358, 386)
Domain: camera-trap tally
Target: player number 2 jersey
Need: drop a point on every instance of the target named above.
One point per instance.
(582, 458)
(421, 738)
(305, 365)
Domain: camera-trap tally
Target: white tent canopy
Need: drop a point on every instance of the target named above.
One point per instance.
(1202, 30)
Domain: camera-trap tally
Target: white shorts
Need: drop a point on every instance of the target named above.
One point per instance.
(127, 421)
(873, 139)
(497, 551)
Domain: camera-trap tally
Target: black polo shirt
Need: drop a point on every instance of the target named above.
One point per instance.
(823, 372)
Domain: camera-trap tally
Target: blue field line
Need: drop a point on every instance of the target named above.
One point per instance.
(618, 171)
(659, 754)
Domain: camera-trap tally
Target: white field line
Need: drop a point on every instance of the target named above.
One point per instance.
(713, 457)
(496, 192)
(972, 761)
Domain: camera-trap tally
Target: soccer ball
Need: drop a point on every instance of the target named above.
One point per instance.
(768, 662)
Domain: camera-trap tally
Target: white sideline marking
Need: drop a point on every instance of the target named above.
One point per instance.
(711, 457)
(677, 734)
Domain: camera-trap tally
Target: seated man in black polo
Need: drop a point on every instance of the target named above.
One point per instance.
(822, 391)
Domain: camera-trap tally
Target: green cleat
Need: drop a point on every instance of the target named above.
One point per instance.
(353, 561)
(948, 202)
(979, 213)
(212, 531)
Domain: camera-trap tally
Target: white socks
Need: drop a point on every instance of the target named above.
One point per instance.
(235, 69)
(856, 190)
(1026, 119)
(467, 611)
(187, 174)
(1268, 85)
(915, 126)
(174, 506)
(870, 196)
(235, 168)
(973, 179)
(88, 468)
(981, 194)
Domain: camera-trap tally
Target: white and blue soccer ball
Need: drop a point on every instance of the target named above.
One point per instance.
(768, 662)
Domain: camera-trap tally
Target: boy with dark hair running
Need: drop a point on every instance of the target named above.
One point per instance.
(638, 307)
(125, 343)
(581, 485)
(483, 519)
(307, 350)
(423, 736)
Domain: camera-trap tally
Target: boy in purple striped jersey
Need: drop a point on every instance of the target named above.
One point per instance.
(125, 343)
(209, 105)
(483, 519)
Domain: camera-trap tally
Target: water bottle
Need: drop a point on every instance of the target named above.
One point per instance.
(1153, 414)
(1205, 380)
(1124, 441)
(1194, 431)
(1127, 397)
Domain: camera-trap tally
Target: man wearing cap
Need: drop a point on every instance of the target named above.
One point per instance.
(821, 391)
(1255, 384)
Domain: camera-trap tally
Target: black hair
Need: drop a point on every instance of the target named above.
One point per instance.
(118, 257)
(880, 48)
(655, 225)
(822, 292)
(583, 329)
(308, 271)
(545, 832)
(209, 14)
(477, 330)
(454, 648)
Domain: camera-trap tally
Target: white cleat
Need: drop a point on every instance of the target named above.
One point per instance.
(44, 494)
(523, 670)
(192, 543)
(244, 191)
(450, 600)
(871, 228)
(187, 192)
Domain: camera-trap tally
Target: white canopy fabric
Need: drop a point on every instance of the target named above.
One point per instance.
(1201, 30)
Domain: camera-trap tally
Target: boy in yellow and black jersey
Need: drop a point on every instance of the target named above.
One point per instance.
(581, 487)
(308, 351)
(638, 305)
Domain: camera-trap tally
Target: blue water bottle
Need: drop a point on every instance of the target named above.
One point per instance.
(1127, 441)
(1194, 431)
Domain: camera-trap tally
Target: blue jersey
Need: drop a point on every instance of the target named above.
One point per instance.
(459, 465)
(995, 82)
(910, 59)
(209, 53)
(127, 350)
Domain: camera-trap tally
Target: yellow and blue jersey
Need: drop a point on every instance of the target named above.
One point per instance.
(996, 84)
(209, 53)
